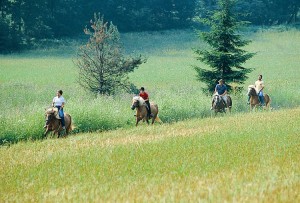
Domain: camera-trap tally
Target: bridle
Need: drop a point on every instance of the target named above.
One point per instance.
(135, 104)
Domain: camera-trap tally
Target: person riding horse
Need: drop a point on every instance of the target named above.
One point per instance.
(59, 103)
(145, 96)
(221, 90)
(259, 86)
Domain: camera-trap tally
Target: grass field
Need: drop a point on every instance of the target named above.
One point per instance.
(238, 158)
(241, 157)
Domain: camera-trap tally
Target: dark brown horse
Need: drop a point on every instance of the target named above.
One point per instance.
(54, 124)
(219, 105)
(254, 101)
(139, 104)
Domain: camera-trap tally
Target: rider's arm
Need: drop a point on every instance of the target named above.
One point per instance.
(224, 93)
(62, 105)
(147, 97)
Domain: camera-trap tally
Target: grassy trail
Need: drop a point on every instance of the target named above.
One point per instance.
(242, 157)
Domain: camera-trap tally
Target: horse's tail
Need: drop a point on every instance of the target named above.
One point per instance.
(71, 126)
(158, 119)
(268, 104)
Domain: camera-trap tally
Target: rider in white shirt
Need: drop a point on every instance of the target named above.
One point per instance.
(59, 103)
(259, 86)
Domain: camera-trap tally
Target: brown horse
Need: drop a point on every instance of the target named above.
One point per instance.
(54, 124)
(139, 104)
(254, 101)
(220, 106)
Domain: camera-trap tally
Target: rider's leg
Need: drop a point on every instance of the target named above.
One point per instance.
(261, 98)
(62, 118)
(224, 99)
(148, 109)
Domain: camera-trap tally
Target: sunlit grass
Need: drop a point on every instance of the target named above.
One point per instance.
(28, 82)
(242, 157)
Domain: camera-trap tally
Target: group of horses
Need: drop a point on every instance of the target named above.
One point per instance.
(138, 103)
(219, 106)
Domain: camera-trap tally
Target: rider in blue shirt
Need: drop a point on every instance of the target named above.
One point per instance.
(221, 89)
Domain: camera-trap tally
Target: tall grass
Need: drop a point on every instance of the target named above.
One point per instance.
(239, 158)
(28, 82)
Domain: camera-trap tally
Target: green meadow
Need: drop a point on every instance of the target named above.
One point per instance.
(28, 81)
(192, 156)
(243, 158)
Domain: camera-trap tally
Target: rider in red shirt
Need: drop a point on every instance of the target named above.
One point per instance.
(145, 96)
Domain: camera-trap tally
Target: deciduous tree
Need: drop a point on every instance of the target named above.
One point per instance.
(103, 68)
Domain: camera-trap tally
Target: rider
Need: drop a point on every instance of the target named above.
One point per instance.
(59, 103)
(220, 89)
(259, 86)
(145, 96)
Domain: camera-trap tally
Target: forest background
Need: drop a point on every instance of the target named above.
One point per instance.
(24, 23)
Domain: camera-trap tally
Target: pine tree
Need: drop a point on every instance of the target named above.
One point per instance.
(225, 56)
(102, 67)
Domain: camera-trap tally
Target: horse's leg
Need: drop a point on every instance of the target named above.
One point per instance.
(153, 119)
(137, 121)
(46, 132)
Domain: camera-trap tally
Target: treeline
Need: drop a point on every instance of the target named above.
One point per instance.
(23, 22)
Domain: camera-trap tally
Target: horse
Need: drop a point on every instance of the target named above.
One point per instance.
(220, 106)
(254, 101)
(139, 104)
(54, 123)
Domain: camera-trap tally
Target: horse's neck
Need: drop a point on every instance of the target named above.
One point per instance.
(253, 93)
(141, 107)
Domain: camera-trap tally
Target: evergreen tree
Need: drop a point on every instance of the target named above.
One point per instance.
(102, 67)
(225, 56)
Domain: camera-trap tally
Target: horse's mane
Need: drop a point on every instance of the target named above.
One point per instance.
(52, 110)
(140, 99)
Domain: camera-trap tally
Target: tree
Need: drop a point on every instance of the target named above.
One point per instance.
(102, 67)
(225, 55)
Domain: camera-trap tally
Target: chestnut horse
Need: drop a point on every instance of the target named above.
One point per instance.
(139, 104)
(54, 124)
(220, 106)
(254, 101)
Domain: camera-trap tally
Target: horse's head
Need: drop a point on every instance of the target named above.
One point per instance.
(251, 90)
(135, 102)
(217, 101)
(51, 113)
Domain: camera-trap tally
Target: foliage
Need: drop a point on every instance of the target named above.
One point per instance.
(29, 21)
(102, 67)
(225, 58)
